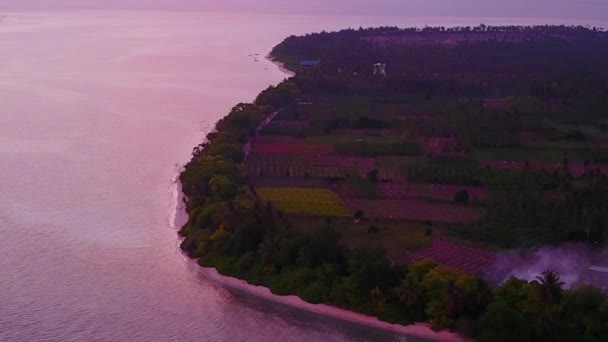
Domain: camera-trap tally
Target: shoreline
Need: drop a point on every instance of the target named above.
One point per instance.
(280, 65)
(420, 330)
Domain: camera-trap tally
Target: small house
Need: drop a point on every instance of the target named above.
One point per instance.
(310, 63)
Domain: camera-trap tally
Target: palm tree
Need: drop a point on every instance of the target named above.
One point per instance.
(550, 286)
(453, 295)
(266, 251)
(410, 293)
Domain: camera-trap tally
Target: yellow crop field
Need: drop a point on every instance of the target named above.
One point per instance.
(320, 202)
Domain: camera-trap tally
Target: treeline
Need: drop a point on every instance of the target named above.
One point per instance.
(554, 61)
(527, 29)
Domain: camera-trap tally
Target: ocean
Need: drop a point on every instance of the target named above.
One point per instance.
(98, 111)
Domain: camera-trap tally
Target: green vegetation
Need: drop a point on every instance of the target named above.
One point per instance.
(319, 202)
(430, 121)
(530, 209)
(436, 173)
(363, 187)
(394, 237)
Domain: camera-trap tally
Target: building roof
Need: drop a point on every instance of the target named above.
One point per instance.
(310, 62)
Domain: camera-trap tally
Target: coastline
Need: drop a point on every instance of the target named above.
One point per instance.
(280, 65)
(421, 330)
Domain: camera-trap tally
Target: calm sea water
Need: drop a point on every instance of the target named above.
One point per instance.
(97, 112)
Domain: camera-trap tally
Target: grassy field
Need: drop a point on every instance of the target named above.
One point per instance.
(318, 202)
(397, 238)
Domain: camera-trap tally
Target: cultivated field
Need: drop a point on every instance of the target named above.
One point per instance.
(416, 210)
(439, 192)
(317, 202)
(287, 145)
(470, 260)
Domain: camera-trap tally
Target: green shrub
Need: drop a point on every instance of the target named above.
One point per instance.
(246, 262)
(314, 293)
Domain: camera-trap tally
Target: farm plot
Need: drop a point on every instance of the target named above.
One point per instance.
(444, 174)
(344, 161)
(371, 146)
(357, 187)
(439, 192)
(395, 237)
(287, 127)
(538, 154)
(316, 202)
(291, 166)
(287, 145)
(292, 148)
(439, 146)
(473, 261)
(576, 169)
(276, 166)
(295, 182)
(416, 210)
(510, 165)
(580, 169)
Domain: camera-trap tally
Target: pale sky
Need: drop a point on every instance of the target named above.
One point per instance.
(476, 8)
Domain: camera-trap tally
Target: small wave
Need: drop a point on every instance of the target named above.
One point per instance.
(177, 210)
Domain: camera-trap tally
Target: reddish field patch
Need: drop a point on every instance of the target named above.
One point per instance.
(343, 161)
(473, 261)
(579, 169)
(290, 182)
(416, 210)
(287, 145)
(331, 166)
(394, 190)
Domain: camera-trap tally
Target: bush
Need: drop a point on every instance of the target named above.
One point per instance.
(246, 262)
(314, 293)
(373, 229)
(462, 197)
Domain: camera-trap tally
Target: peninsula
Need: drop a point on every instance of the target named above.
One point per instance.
(385, 176)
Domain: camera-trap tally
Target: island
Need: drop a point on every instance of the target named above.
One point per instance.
(389, 172)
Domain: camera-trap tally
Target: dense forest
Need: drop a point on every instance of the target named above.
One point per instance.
(360, 138)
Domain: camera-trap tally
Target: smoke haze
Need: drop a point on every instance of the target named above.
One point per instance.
(571, 261)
